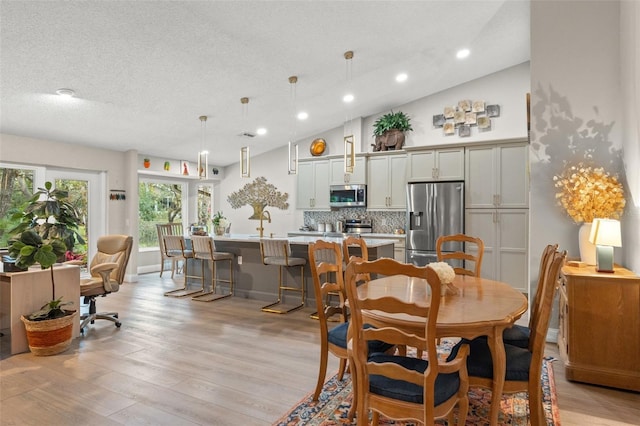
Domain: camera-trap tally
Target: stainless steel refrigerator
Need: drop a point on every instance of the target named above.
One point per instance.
(433, 209)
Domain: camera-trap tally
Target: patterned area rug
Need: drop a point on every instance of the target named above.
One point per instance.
(335, 400)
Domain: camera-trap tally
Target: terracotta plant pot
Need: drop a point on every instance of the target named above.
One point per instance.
(50, 337)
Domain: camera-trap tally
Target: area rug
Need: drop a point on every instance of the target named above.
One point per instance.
(333, 405)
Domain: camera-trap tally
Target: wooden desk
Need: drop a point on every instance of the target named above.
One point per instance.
(599, 336)
(482, 307)
(22, 293)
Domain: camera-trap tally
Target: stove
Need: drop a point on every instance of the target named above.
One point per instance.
(358, 226)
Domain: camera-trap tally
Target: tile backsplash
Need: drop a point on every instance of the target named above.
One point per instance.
(383, 222)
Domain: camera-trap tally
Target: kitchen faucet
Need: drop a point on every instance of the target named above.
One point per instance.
(262, 215)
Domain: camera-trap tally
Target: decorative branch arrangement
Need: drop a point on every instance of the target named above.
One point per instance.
(258, 194)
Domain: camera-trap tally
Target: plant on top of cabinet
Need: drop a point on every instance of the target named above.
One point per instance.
(389, 131)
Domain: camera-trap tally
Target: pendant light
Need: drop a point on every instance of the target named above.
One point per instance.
(245, 159)
(349, 142)
(292, 149)
(203, 154)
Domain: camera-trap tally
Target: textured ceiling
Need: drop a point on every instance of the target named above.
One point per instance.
(144, 71)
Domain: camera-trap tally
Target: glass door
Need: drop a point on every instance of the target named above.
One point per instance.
(87, 194)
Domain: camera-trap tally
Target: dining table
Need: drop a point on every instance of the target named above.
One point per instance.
(471, 307)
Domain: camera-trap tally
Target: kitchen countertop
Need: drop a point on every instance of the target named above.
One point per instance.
(365, 235)
(312, 237)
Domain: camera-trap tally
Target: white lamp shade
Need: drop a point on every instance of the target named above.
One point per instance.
(606, 232)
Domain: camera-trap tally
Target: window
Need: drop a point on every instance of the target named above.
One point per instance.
(159, 202)
(205, 193)
(16, 187)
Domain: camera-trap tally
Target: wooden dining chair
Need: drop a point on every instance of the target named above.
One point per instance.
(471, 245)
(167, 229)
(519, 335)
(355, 246)
(396, 386)
(523, 365)
(325, 261)
(175, 247)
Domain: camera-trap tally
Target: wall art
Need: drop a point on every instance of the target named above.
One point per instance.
(464, 116)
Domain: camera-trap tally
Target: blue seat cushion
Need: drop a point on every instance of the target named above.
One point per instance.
(518, 335)
(338, 337)
(446, 385)
(480, 363)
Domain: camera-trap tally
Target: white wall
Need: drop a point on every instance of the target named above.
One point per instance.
(630, 82)
(577, 113)
(506, 88)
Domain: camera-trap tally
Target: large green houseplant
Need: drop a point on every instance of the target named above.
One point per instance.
(47, 230)
(389, 130)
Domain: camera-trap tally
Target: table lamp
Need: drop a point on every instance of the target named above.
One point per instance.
(605, 234)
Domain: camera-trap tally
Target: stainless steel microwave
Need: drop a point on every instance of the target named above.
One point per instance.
(348, 196)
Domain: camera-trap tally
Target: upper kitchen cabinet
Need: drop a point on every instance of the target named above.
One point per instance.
(313, 185)
(436, 165)
(497, 176)
(339, 177)
(386, 181)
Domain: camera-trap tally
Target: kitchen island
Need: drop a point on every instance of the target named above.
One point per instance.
(253, 280)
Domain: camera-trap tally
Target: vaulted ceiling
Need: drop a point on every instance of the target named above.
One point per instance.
(144, 71)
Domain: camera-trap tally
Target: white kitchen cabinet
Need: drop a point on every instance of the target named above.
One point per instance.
(386, 189)
(436, 164)
(339, 177)
(497, 176)
(313, 185)
(505, 236)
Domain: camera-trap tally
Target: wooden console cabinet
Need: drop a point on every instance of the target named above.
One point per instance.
(599, 335)
(22, 293)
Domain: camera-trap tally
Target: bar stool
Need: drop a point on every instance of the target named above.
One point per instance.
(204, 249)
(278, 252)
(175, 248)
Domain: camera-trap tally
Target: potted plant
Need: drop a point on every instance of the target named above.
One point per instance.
(47, 230)
(220, 223)
(389, 130)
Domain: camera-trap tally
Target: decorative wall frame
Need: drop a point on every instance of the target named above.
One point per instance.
(465, 115)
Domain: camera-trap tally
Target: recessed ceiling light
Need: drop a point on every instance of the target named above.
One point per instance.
(348, 98)
(462, 53)
(261, 131)
(65, 93)
(402, 77)
(302, 115)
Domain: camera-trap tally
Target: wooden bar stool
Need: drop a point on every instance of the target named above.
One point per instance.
(175, 248)
(278, 252)
(204, 249)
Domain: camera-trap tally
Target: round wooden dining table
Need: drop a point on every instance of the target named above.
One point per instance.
(472, 307)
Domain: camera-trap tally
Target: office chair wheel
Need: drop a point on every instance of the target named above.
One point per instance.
(118, 324)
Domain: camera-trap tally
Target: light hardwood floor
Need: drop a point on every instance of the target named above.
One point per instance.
(180, 362)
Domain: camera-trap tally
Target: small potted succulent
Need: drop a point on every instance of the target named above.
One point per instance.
(47, 230)
(389, 130)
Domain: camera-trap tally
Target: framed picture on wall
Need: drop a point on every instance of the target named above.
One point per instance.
(438, 120)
